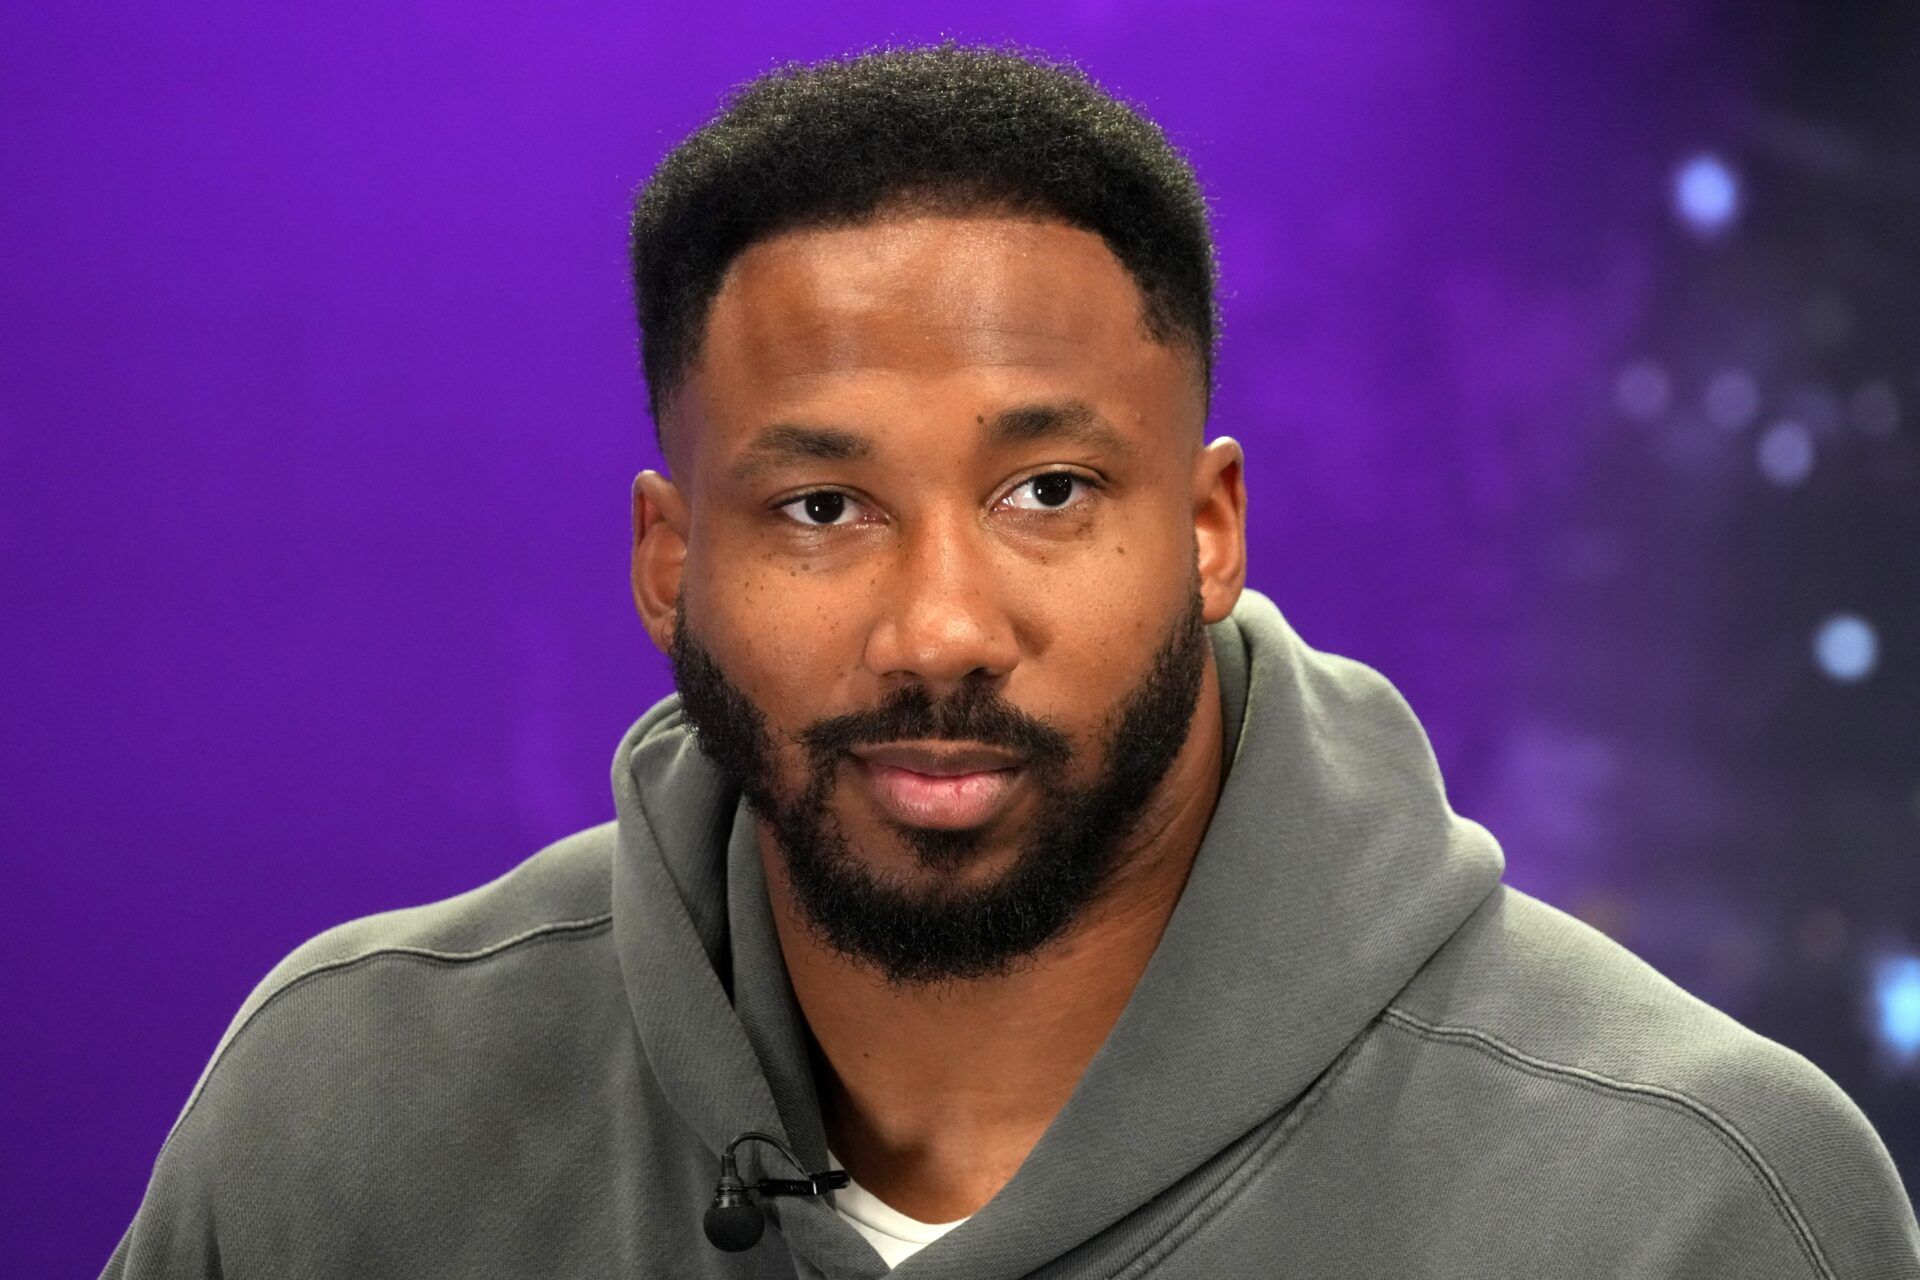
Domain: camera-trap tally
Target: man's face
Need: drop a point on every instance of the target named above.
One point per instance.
(942, 492)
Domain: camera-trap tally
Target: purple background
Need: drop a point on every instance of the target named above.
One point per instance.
(319, 404)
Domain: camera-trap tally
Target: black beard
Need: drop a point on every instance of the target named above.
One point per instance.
(951, 932)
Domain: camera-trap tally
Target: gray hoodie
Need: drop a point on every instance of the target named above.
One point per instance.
(1355, 1053)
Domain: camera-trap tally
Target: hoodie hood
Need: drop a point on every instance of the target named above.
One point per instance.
(1332, 869)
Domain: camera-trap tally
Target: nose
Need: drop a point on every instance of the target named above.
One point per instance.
(940, 617)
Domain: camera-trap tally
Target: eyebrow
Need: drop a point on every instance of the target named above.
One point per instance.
(1074, 421)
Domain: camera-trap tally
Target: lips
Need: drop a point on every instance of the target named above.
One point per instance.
(950, 801)
(941, 759)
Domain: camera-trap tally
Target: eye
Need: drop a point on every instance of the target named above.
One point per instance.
(1053, 489)
(829, 508)
(820, 509)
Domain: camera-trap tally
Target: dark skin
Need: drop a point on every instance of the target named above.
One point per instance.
(916, 332)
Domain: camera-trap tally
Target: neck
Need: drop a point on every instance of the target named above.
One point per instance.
(932, 1097)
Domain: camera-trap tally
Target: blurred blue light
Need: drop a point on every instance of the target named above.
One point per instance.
(1786, 453)
(1642, 390)
(1706, 193)
(1732, 399)
(1897, 993)
(1846, 647)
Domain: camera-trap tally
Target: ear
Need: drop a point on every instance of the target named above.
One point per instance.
(1220, 526)
(659, 553)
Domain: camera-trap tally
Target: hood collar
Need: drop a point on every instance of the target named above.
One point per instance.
(1333, 867)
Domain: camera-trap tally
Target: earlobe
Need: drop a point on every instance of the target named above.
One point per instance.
(659, 553)
(1220, 526)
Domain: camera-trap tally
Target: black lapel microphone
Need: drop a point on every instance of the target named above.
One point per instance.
(734, 1222)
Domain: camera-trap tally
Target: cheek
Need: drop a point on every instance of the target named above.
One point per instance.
(784, 643)
(1109, 632)
(1104, 618)
(750, 584)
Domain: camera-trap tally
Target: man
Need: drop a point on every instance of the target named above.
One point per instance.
(1005, 879)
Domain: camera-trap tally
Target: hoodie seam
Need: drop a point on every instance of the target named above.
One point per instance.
(1657, 1095)
(1236, 1181)
(563, 929)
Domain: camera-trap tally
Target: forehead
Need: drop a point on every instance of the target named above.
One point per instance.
(923, 309)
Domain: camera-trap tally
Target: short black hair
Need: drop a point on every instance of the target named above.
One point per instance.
(947, 126)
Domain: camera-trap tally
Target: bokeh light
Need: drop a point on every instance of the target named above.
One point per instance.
(1846, 647)
(1786, 453)
(1732, 399)
(1706, 194)
(1642, 390)
(1896, 991)
(1875, 410)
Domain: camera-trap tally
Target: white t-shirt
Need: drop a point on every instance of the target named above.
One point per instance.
(896, 1236)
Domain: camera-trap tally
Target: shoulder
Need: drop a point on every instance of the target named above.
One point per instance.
(392, 1066)
(564, 887)
(355, 981)
(1526, 990)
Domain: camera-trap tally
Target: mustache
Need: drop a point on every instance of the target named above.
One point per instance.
(974, 713)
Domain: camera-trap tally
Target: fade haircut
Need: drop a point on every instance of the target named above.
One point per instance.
(945, 128)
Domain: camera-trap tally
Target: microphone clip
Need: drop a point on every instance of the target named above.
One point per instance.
(734, 1222)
